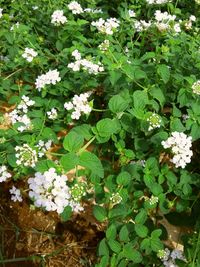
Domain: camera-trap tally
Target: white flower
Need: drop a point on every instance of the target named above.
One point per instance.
(106, 26)
(51, 77)
(131, 13)
(29, 54)
(1, 9)
(35, 7)
(76, 54)
(154, 121)
(50, 191)
(94, 11)
(153, 200)
(58, 18)
(115, 198)
(141, 25)
(15, 194)
(4, 174)
(180, 145)
(104, 45)
(192, 18)
(75, 7)
(52, 114)
(26, 156)
(177, 27)
(150, 2)
(79, 105)
(43, 147)
(196, 87)
(15, 26)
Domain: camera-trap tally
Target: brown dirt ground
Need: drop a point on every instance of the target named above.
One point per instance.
(25, 232)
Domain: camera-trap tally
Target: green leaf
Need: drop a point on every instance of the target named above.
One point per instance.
(123, 178)
(12, 160)
(66, 214)
(156, 245)
(84, 130)
(107, 127)
(114, 76)
(69, 161)
(141, 230)
(156, 233)
(73, 141)
(124, 234)
(100, 213)
(141, 217)
(111, 232)
(134, 72)
(157, 93)
(117, 104)
(140, 99)
(176, 125)
(49, 134)
(103, 248)
(114, 245)
(132, 254)
(92, 162)
(163, 71)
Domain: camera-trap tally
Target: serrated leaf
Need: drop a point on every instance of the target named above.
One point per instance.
(117, 104)
(141, 230)
(100, 213)
(114, 245)
(163, 71)
(69, 161)
(73, 141)
(132, 254)
(66, 214)
(111, 232)
(103, 248)
(123, 178)
(91, 162)
(124, 234)
(141, 217)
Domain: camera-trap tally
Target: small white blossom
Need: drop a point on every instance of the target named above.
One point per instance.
(43, 147)
(180, 146)
(29, 54)
(115, 198)
(52, 114)
(154, 121)
(158, 2)
(106, 26)
(131, 13)
(141, 25)
(58, 18)
(104, 45)
(196, 87)
(35, 7)
(15, 26)
(4, 174)
(26, 156)
(50, 191)
(94, 11)
(15, 194)
(79, 105)
(1, 9)
(153, 200)
(75, 7)
(51, 77)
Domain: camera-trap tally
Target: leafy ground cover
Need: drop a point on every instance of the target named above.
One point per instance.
(99, 133)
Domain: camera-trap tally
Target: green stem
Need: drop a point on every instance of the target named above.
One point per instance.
(86, 145)
(12, 74)
(99, 110)
(196, 251)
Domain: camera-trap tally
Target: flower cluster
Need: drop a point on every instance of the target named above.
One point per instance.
(51, 77)
(188, 24)
(104, 45)
(58, 18)
(163, 20)
(29, 54)
(115, 198)
(75, 7)
(77, 191)
(4, 174)
(43, 147)
(106, 26)
(79, 104)
(141, 25)
(52, 114)
(158, 2)
(19, 114)
(26, 156)
(180, 145)
(86, 64)
(196, 87)
(168, 258)
(154, 121)
(50, 191)
(15, 194)
(153, 200)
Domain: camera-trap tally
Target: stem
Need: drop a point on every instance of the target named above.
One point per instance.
(56, 154)
(12, 74)
(196, 250)
(86, 145)
(99, 110)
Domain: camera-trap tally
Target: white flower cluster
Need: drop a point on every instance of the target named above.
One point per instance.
(180, 145)
(4, 174)
(58, 18)
(188, 24)
(87, 65)
(158, 2)
(29, 54)
(43, 147)
(51, 77)
(50, 191)
(115, 198)
(19, 114)
(154, 121)
(15, 26)
(52, 114)
(104, 45)
(94, 11)
(141, 25)
(75, 7)
(196, 87)
(153, 200)
(131, 13)
(163, 20)
(26, 156)
(79, 104)
(77, 191)
(1, 9)
(168, 258)
(106, 26)
(15, 194)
